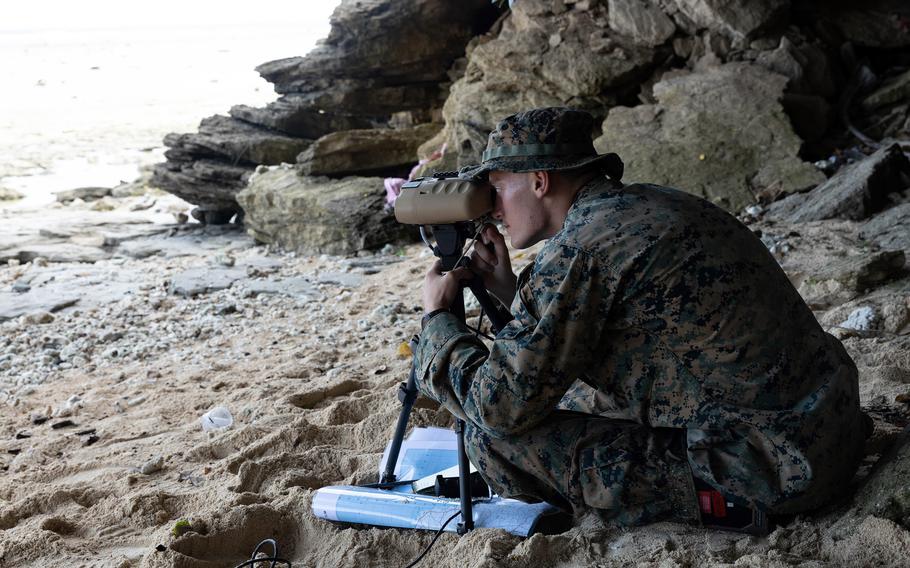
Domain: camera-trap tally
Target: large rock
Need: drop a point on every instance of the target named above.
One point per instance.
(13, 305)
(208, 167)
(381, 58)
(803, 62)
(739, 21)
(643, 22)
(365, 152)
(855, 192)
(236, 141)
(399, 42)
(211, 184)
(845, 278)
(543, 56)
(894, 90)
(720, 133)
(297, 115)
(889, 229)
(318, 215)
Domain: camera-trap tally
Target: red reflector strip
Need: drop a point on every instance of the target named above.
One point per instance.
(712, 503)
(704, 501)
(718, 504)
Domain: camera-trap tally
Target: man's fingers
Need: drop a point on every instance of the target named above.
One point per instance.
(435, 269)
(461, 273)
(484, 254)
(480, 265)
(495, 242)
(489, 234)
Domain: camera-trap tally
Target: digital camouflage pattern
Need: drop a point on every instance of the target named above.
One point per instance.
(553, 138)
(671, 322)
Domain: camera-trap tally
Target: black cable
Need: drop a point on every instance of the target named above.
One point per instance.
(480, 333)
(432, 542)
(273, 558)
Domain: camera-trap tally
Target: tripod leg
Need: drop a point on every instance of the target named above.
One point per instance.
(407, 393)
(464, 482)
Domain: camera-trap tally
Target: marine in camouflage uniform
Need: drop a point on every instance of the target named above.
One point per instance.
(655, 340)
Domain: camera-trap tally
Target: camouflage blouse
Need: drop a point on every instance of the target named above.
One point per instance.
(655, 306)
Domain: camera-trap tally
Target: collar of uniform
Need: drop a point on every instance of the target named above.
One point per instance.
(593, 187)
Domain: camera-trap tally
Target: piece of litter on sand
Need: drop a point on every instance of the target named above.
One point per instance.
(861, 319)
(217, 418)
(152, 466)
(404, 350)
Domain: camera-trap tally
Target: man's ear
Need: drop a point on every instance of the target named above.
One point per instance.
(542, 183)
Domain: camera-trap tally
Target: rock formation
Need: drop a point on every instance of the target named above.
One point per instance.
(741, 105)
(720, 133)
(318, 215)
(383, 65)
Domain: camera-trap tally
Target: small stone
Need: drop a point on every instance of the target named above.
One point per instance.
(861, 319)
(225, 309)
(154, 465)
(110, 336)
(225, 260)
(69, 351)
(82, 194)
(104, 204)
(7, 194)
(39, 318)
(842, 333)
(111, 353)
(21, 287)
(39, 418)
(136, 401)
(142, 205)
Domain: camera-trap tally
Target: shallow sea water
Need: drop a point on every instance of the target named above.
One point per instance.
(90, 107)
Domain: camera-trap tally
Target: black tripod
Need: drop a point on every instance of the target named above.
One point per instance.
(450, 241)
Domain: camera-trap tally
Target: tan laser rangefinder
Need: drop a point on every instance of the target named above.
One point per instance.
(443, 199)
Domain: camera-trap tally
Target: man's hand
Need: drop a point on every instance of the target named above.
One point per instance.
(490, 260)
(439, 290)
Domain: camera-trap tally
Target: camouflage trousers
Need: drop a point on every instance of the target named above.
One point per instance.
(628, 473)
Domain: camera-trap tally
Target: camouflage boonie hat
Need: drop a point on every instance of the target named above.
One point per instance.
(554, 138)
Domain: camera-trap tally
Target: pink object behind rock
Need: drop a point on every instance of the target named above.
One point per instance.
(393, 185)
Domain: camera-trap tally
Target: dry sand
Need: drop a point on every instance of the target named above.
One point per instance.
(312, 387)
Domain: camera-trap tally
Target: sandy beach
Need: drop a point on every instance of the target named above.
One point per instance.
(123, 322)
